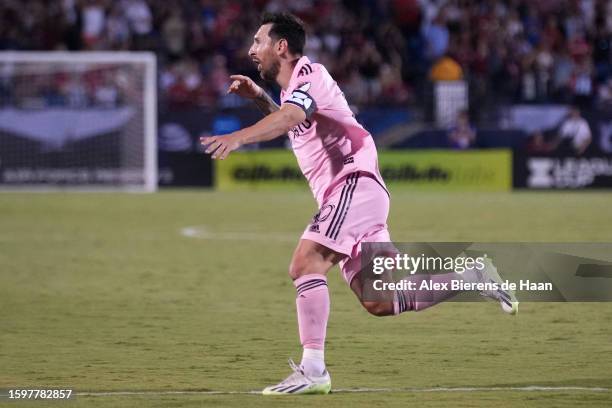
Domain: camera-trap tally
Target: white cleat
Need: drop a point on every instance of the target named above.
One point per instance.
(506, 298)
(300, 383)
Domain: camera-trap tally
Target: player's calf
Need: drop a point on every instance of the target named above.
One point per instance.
(400, 301)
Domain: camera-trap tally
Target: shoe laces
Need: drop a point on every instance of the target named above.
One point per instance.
(298, 375)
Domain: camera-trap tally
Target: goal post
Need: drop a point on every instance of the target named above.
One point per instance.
(78, 121)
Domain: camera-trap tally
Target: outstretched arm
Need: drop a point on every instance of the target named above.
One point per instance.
(270, 127)
(245, 87)
(265, 103)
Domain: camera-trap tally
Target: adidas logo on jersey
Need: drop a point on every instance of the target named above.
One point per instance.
(305, 70)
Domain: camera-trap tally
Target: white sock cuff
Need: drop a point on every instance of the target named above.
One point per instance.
(313, 354)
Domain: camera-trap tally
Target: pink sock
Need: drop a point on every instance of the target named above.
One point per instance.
(422, 299)
(312, 310)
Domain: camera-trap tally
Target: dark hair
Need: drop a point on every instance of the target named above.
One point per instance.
(286, 26)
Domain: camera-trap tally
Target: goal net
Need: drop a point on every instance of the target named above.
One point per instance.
(82, 121)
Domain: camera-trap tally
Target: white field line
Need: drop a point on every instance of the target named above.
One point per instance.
(530, 388)
(202, 232)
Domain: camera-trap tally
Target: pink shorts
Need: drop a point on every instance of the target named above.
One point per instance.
(355, 211)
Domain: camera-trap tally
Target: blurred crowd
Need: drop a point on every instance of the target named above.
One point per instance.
(380, 51)
(69, 85)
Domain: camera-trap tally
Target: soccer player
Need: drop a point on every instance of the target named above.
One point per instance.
(338, 158)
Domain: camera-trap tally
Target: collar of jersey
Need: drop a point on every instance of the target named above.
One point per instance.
(301, 62)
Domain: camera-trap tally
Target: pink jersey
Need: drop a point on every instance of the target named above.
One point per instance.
(330, 143)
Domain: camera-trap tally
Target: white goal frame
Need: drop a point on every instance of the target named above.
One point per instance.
(149, 110)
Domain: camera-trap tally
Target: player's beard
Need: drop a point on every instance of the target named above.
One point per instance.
(271, 73)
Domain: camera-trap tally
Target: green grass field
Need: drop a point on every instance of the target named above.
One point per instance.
(102, 292)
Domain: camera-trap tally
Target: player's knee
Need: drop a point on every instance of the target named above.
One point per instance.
(299, 266)
(378, 308)
(306, 264)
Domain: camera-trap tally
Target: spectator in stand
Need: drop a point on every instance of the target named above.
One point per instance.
(446, 69)
(436, 38)
(117, 29)
(140, 20)
(517, 50)
(393, 90)
(462, 135)
(174, 31)
(94, 22)
(604, 97)
(574, 135)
